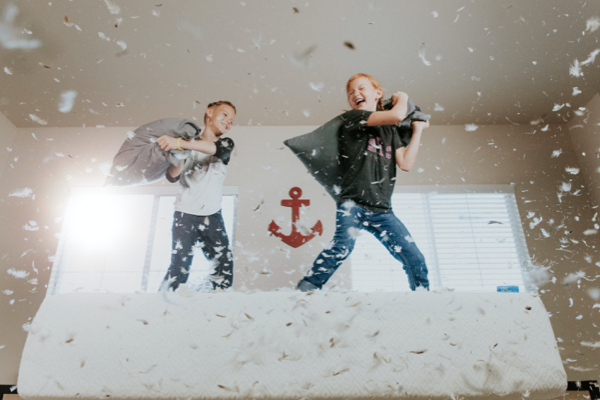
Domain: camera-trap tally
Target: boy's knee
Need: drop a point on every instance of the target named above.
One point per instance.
(342, 246)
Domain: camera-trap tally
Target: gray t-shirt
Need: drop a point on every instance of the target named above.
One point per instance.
(201, 180)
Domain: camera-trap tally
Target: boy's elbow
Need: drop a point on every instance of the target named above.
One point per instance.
(398, 118)
(404, 167)
(401, 114)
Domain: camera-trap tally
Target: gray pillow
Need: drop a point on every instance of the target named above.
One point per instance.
(318, 150)
(141, 161)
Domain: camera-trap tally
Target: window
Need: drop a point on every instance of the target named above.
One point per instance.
(471, 237)
(119, 240)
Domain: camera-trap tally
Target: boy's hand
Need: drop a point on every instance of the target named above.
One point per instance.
(167, 143)
(399, 97)
(420, 125)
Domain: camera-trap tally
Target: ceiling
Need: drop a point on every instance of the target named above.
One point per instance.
(286, 62)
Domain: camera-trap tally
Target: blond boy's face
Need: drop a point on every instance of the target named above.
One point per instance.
(220, 118)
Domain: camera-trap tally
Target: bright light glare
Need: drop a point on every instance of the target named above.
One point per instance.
(93, 219)
(104, 244)
(121, 243)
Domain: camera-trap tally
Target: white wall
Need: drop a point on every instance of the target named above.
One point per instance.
(55, 159)
(585, 135)
(7, 135)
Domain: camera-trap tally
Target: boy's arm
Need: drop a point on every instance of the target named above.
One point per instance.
(174, 171)
(168, 143)
(221, 149)
(393, 116)
(406, 156)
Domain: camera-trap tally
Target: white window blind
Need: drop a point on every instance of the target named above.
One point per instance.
(471, 237)
(120, 240)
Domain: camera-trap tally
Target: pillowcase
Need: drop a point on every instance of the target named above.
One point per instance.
(141, 161)
(318, 150)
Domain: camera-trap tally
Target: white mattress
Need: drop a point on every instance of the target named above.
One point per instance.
(291, 345)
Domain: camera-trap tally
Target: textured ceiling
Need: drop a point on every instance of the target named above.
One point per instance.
(286, 62)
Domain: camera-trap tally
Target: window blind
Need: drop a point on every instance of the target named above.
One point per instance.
(471, 237)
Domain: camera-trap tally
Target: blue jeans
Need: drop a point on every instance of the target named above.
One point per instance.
(387, 228)
(209, 230)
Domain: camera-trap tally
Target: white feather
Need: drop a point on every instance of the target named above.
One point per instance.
(23, 193)
(112, 7)
(592, 24)
(37, 119)
(67, 99)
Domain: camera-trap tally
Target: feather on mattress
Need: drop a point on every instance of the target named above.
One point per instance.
(291, 345)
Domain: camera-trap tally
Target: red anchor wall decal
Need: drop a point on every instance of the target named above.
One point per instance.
(295, 239)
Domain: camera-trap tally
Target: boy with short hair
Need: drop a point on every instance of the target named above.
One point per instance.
(197, 215)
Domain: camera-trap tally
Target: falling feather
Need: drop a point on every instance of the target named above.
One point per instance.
(573, 277)
(23, 193)
(316, 86)
(539, 276)
(594, 293)
(545, 233)
(575, 70)
(572, 170)
(422, 55)
(12, 37)
(303, 58)
(565, 187)
(591, 58)
(67, 99)
(592, 24)
(19, 274)
(31, 226)
(112, 7)
(37, 119)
